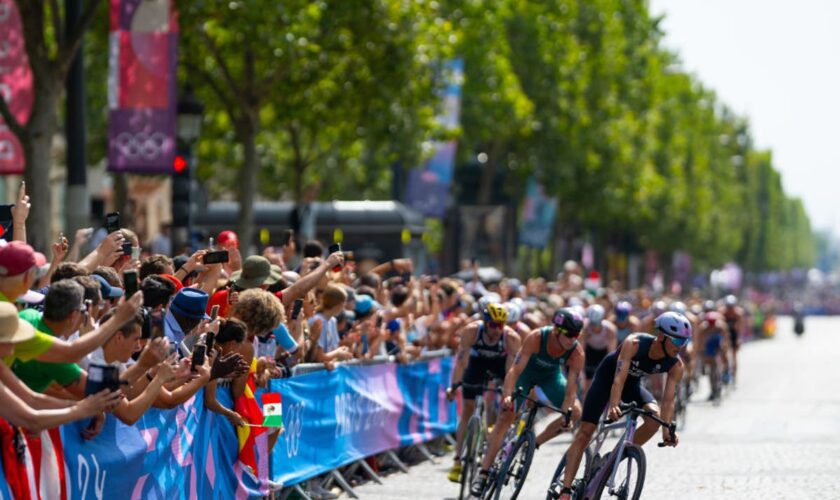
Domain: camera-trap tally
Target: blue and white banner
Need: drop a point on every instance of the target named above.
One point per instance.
(336, 418)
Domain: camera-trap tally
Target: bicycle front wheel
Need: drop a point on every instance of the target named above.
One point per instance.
(629, 476)
(469, 457)
(581, 476)
(515, 469)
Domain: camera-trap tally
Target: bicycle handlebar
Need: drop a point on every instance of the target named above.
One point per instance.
(632, 408)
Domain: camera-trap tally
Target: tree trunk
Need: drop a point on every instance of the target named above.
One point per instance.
(38, 150)
(247, 133)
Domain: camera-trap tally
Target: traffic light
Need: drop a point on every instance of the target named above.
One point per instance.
(181, 191)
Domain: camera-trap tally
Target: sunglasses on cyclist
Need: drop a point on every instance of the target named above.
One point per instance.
(566, 333)
(678, 341)
(496, 325)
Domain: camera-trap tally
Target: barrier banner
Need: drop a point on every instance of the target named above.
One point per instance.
(336, 418)
(183, 453)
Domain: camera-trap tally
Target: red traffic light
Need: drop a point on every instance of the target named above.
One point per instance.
(180, 164)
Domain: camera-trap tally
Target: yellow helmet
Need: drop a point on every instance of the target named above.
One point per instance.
(496, 313)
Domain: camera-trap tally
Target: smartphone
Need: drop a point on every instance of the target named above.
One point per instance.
(219, 257)
(214, 313)
(130, 281)
(101, 377)
(210, 339)
(127, 248)
(112, 222)
(296, 308)
(198, 355)
(6, 221)
(379, 322)
(335, 247)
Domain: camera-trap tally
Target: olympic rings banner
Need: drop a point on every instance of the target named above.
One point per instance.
(336, 418)
(183, 453)
(142, 93)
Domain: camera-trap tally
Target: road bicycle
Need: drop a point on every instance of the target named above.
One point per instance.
(475, 438)
(621, 478)
(510, 469)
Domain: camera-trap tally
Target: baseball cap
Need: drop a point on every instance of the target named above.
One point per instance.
(12, 329)
(108, 291)
(16, 258)
(228, 238)
(365, 305)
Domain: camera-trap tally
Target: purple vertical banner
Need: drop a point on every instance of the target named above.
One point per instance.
(15, 86)
(142, 91)
(428, 186)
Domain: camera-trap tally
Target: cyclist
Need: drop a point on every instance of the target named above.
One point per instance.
(619, 379)
(598, 339)
(734, 317)
(515, 312)
(656, 309)
(540, 362)
(713, 339)
(624, 321)
(487, 345)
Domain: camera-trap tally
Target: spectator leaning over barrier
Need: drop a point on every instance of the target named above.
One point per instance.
(324, 327)
(184, 315)
(261, 312)
(92, 302)
(257, 272)
(17, 273)
(230, 340)
(21, 406)
(371, 340)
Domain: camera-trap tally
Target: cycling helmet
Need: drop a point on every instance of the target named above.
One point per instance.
(519, 303)
(696, 309)
(595, 314)
(623, 310)
(709, 306)
(674, 325)
(658, 308)
(568, 321)
(496, 313)
(488, 299)
(678, 307)
(730, 301)
(514, 313)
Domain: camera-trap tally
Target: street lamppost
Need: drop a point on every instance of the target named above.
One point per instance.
(190, 115)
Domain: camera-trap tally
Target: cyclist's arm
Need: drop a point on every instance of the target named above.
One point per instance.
(622, 368)
(529, 346)
(575, 365)
(512, 344)
(612, 335)
(468, 337)
(675, 374)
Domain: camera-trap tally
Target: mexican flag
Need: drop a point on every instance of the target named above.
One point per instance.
(272, 410)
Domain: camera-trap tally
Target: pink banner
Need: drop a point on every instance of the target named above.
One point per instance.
(15, 86)
(142, 90)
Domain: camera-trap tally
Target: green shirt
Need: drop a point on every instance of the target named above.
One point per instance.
(38, 375)
(29, 349)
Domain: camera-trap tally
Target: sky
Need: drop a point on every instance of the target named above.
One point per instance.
(778, 63)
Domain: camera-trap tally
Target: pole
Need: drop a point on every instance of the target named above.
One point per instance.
(77, 202)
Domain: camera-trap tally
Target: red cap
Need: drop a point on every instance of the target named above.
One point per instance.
(228, 239)
(40, 259)
(175, 281)
(16, 258)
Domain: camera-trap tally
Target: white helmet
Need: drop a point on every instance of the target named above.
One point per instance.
(487, 299)
(595, 313)
(514, 312)
(678, 307)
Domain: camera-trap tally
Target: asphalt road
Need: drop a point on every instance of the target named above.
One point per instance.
(777, 435)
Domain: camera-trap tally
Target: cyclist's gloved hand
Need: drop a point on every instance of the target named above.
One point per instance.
(614, 413)
(668, 438)
(507, 403)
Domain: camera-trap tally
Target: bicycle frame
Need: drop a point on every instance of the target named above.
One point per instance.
(629, 426)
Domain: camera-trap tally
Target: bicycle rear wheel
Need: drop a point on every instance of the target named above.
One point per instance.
(515, 469)
(469, 458)
(581, 477)
(629, 477)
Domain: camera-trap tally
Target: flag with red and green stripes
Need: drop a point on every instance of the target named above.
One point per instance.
(272, 410)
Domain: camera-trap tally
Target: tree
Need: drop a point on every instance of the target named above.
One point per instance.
(51, 45)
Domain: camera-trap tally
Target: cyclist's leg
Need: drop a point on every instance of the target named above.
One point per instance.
(734, 341)
(555, 391)
(593, 406)
(473, 375)
(503, 423)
